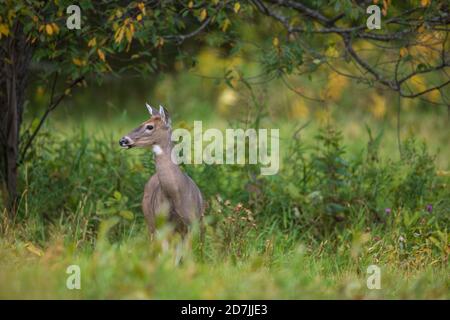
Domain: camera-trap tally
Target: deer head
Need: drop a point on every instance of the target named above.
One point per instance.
(153, 132)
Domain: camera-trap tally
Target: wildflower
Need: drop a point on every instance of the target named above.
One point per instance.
(387, 210)
(429, 208)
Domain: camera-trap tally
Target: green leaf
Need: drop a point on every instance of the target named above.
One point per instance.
(126, 214)
(117, 195)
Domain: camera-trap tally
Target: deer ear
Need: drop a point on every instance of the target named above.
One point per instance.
(164, 116)
(149, 108)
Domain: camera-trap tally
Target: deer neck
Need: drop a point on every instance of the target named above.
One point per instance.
(169, 173)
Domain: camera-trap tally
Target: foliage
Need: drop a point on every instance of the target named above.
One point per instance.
(309, 232)
(312, 233)
(146, 37)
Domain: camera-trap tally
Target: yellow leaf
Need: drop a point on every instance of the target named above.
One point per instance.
(4, 29)
(276, 42)
(225, 25)
(203, 14)
(418, 82)
(237, 7)
(139, 17)
(141, 7)
(190, 4)
(403, 52)
(335, 86)
(33, 249)
(101, 55)
(92, 42)
(55, 27)
(67, 92)
(78, 62)
(49, 29)
(425, 3)
(119, 34)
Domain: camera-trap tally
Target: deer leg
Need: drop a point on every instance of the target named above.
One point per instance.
(181, 226)
(149, 216)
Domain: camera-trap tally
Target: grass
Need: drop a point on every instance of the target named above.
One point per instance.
(135, 269)
(343, 200)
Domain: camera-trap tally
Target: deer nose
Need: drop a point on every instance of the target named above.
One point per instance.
(125, 141)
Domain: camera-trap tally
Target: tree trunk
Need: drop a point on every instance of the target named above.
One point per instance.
(15, 57)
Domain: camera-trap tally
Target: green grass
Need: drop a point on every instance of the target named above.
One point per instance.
(136, 269)
(285, 244)
(309, 232)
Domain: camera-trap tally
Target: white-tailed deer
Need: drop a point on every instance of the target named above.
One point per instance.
(170, 191)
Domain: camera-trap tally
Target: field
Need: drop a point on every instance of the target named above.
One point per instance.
(345, 198)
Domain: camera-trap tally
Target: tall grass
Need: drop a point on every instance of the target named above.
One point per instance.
(309, 232)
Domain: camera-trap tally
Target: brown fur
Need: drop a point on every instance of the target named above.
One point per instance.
(170, 191)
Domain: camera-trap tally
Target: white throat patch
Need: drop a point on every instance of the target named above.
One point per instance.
(157, 150)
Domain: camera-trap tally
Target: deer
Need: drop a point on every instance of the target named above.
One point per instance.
(169, 191)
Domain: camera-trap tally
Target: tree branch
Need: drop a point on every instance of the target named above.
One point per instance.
(424, 91)
(51, 106)
(365, 65)
(359, 32)
(182, 37)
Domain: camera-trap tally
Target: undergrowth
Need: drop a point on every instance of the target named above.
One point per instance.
(310, 231)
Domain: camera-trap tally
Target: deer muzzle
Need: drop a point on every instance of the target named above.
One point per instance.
(126, 142)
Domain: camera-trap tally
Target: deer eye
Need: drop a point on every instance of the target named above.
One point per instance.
(149, 127)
